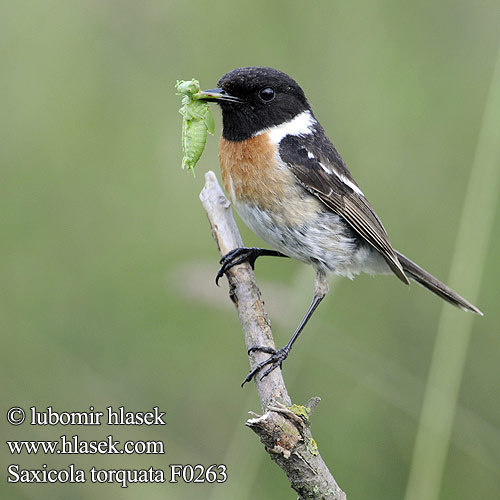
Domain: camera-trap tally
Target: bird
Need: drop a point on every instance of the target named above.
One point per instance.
(290, 186)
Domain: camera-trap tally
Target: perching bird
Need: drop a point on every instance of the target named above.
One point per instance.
(289, 184)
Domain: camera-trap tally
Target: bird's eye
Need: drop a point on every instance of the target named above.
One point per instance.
(266, 94)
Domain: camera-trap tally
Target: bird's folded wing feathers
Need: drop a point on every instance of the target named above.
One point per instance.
(327, 177)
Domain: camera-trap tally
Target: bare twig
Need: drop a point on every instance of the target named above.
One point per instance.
(283, 428)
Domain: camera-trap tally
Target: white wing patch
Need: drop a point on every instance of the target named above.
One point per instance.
(326, 169)
(353, 186)
(343, 178)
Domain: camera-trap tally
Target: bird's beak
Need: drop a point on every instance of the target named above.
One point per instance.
(217, 95)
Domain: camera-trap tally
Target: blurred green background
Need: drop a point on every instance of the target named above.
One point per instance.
(107, 262)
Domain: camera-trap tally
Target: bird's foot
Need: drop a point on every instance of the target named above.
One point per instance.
(275, 360)
(235, 257)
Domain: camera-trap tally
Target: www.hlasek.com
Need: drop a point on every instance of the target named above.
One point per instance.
(74, 445)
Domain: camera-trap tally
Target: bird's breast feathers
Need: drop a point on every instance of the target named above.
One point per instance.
(274, 204)
(255, 177)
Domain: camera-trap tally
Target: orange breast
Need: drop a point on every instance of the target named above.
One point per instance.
(251, 173)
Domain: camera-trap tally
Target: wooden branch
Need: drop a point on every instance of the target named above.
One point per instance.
(283, 428)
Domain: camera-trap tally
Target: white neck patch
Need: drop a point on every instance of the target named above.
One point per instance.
(300, 125)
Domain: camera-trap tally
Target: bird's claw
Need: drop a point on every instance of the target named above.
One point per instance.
(261, 348)
(235, 257)
(275, 360)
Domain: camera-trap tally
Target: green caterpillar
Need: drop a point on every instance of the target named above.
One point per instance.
(197, 122)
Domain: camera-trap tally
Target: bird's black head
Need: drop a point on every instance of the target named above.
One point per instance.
(255, 98)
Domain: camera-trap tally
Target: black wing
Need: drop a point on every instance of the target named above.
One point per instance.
(319, 168)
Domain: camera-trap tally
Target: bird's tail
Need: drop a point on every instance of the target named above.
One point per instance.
(421, 276)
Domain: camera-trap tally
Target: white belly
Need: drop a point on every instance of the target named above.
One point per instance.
(327, 244)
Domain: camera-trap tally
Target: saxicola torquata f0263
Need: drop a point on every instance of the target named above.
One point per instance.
(289, 184)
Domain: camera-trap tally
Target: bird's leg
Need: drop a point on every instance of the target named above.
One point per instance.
(243, 254)
(277, 357)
